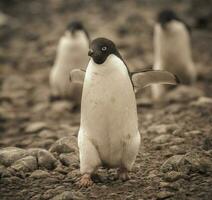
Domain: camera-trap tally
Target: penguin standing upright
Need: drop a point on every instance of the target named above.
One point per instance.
(108, 133)
(71, 54)
(172, 50)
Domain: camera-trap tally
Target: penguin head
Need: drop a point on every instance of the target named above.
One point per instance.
(166, 16)
(76, 26)
(101, 48)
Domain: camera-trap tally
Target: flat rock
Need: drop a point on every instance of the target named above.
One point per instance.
(162, 128)
(61, 106)
(164, 194)
(26, 164)
(202, 102)
(193, 133)
(9, 155)
(35, 127)
(4, 172)
(197, 161)
(47, 134)
(184, 94)
(67, 195)
(69, 159)
(39, 174)
(173, 176)
(64, 145)
(161, 139)
(45, 158)
(172, 163)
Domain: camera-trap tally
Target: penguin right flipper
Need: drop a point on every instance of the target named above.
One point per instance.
(77, 76)
(149, 77)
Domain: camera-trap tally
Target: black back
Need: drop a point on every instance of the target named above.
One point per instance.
(75, 26)
(166, 16)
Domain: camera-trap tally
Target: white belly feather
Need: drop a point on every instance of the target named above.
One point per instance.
(108, 109)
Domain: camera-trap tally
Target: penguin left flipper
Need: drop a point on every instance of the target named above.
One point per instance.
(77, 76)
(145, 78)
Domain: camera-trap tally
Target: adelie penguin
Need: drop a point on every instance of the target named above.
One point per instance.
(71, 54)
(108, 133)
(172, 49)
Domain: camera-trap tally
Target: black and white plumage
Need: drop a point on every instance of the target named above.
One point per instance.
(71, 54)
(172, 49)
(109, 132)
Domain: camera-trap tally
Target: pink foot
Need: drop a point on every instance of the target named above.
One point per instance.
(85, 181)
(123, 174)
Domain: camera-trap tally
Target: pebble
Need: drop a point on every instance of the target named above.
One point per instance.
(184, 94)
(35, 127)
(61, 106)
(67, 195)
(202, 102)
(45, 158)
(69, 159)
(64, 145)
(161, 139)
(164, 194)
(26, 164)
(162, 128)
(172, 176)
(9, 155)
(193, 133)
(39, 174)
(172, 163)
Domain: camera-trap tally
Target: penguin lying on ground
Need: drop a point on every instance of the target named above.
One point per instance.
(172, 50)
(109, 134)
(71, 54)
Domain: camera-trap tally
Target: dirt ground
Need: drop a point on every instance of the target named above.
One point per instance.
(175, 158)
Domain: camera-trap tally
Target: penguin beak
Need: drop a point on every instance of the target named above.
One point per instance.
(90, 52)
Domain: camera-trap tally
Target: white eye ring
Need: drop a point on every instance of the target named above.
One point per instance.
(104, 48)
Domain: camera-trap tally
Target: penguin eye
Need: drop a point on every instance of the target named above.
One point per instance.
(104, 48)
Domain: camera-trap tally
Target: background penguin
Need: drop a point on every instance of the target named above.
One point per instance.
(172, 50)
(109, 134)
(71, 54)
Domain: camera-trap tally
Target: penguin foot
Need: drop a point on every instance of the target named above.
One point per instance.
(123, 174)
(86, 181)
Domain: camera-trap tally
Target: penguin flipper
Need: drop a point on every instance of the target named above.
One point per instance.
(149, 77)
(77, 76)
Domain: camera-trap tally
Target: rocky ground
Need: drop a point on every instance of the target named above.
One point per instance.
(39, 156)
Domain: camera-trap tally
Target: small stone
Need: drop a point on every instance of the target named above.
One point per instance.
(47, 134)
(162, 128)
(177, 149)
(4, 172)
(45, 158)
(64, 145)
(161, 139)
(35, 127)
(9, 155)
(202, 102)
(177, 140)
(69, 196)
(184, 94)
(39, 174)
(193, 133)
(26, 164)
(69, 159)
(172, 176)
(61, 106)
(172, 163)
(207, 143)
(164, 194)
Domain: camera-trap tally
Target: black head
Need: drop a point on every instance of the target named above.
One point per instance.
(75, 26)
(101, 48)
(166, 16)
